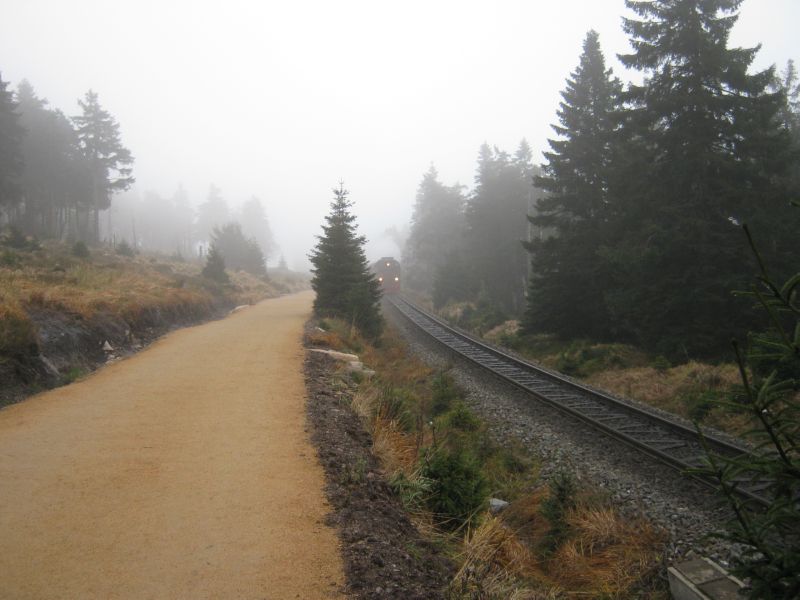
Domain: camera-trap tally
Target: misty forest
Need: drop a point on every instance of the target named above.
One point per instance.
(648, 246)
(64, 178)
(630, 229)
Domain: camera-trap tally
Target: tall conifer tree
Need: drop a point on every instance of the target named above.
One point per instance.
(11, 133)
(110, 162)
(496, 225)
(57, 176)
(345, 286)
(568, 280)
(714, 151)
(437, 227)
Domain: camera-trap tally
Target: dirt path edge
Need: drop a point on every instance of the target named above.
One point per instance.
(384, 554)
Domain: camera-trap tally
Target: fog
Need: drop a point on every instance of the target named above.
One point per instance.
(282, 100)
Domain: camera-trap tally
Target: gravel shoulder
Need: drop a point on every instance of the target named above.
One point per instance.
(181, 472)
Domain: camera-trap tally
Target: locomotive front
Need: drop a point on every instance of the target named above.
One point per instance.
(387, 270)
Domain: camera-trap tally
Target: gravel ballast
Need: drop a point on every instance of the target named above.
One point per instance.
(636, 483)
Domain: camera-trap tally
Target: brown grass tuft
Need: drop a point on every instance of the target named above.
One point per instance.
(494, 564)
(607, 554)
(396, 449)
(17, 333)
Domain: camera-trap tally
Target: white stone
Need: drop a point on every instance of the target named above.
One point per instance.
(343, 356)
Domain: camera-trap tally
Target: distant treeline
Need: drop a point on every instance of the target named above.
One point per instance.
(173, 225)
(59, 175)
(633, 226)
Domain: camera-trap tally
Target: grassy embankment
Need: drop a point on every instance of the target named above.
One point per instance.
(55, 298)
(693, 390)
(556, 539)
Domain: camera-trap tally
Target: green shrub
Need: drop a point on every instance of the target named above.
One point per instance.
(413, 491)
(14, 238)
(661, 363)
(125, 249)
(80, 250)
(583, 358)
(461, 418)
(509, 470)
(9, 258)
(555, 507)
(459, 488)
(701, 402)
(481, 318)
(73, 374)
(444, 393)
(395, 404)
(215, 266)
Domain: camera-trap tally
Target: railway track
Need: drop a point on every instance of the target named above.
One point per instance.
(670, 442)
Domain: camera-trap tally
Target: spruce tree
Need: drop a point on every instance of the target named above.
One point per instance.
(496, 225)
(711, 153)
(110, 162)
(255, 225)
(568, 279)
(11, 134)
(57, 177)
(437, 229)
(769, 537)
(211, 213)
(215, 266)
(345, 286)
(240, 252)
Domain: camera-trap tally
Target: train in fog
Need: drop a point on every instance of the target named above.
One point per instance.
(387, 270)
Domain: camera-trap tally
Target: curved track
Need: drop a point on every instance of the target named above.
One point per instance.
(668, 441)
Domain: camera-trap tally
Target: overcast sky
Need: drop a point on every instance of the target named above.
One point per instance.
(283, 99)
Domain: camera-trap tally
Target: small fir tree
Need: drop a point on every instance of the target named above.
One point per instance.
(770, 559)
(215, 266)
(241, 253)
(345, 286)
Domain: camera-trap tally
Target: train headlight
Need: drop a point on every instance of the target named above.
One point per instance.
(397, 279)
(380, 279)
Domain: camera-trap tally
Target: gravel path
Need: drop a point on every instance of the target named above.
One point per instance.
(636, 483)
(181, 472)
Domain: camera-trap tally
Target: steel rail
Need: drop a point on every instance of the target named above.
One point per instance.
(670, 442)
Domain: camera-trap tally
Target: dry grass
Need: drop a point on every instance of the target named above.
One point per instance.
(492, 553)
(139, 290)
(604, 554)
(396, 449)
(17, 334)
(677, 390)
(607, 555)
(496, 334)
